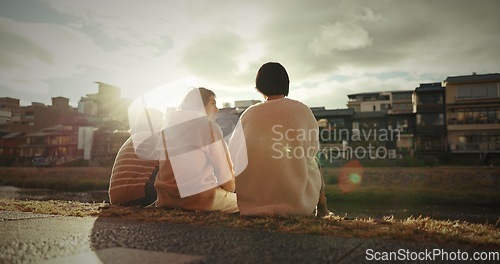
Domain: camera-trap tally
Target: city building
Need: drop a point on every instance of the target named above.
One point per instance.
(473, 113)
(9, 147)
(10, 112)
(459, 116)
(388, 113)
(402, 126)
(335, 131)
(105, 145)
(58, 145)
(106, 105)
(401, 102)
(38, 116)
(369, 102)
(430, 113)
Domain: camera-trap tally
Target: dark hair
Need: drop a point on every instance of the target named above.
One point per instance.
(272, 79)
(192, 98)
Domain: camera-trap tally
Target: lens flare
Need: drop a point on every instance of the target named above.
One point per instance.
(351, 176)
(355, 178)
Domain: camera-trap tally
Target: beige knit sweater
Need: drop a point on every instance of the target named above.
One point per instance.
(196, 163)
(274, 159)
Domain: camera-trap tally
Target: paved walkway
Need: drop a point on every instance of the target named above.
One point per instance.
(38, 238)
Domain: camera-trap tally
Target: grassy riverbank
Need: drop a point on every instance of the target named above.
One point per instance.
(419, 229)
(436, 185)
(418, 185)
(62, 179)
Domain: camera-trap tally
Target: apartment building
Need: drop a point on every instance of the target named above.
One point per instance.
(106, 105)
(389, 112)
(53, 131)
(9, 147)
(401, 102)
(430, 113)
(10, 112)
(473, 113)
(369, 102)
(57, 144)
(38, 116)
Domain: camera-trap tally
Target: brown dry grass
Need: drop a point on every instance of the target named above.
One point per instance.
(415, 229)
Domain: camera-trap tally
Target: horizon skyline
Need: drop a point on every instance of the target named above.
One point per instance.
(220, 104)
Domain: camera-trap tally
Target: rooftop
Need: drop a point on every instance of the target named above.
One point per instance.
(474, 78)
(320, 113)
(429, 87)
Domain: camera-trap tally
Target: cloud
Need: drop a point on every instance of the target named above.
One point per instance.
(139, 31)
(23, 83)
(332, 92)
(36, 52)
(134, 45)
(383, 36)
(222, 57)
(339, 37)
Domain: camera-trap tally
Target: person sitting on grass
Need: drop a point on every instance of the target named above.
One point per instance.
(274, 153)
(196, 172)
(136, 166)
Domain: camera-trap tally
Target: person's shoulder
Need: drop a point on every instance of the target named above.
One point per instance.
(292, 103)
(129, 143)
(215, 126)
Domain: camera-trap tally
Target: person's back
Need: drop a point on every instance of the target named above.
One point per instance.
(196, 173)
(132, 178)
(282, 176)
(281, 143)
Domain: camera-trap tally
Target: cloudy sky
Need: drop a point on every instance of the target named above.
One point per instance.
(330, 48)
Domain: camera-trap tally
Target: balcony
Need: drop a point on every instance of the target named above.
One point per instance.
(475, 147)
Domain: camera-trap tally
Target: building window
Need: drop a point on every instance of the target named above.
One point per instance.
(402, 96)
(492, 115)
(430, 119)
(478, 142)
(337, 122)
(430, 99)
(488, 90)
(29, 114)
(402, 124)
(355, 127)
(478, 116)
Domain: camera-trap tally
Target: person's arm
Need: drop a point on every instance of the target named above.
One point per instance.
(221, 161)
(238, 150)
(230, 185)
(322, 207)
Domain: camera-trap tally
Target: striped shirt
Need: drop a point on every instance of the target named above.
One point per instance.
(129, 175)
